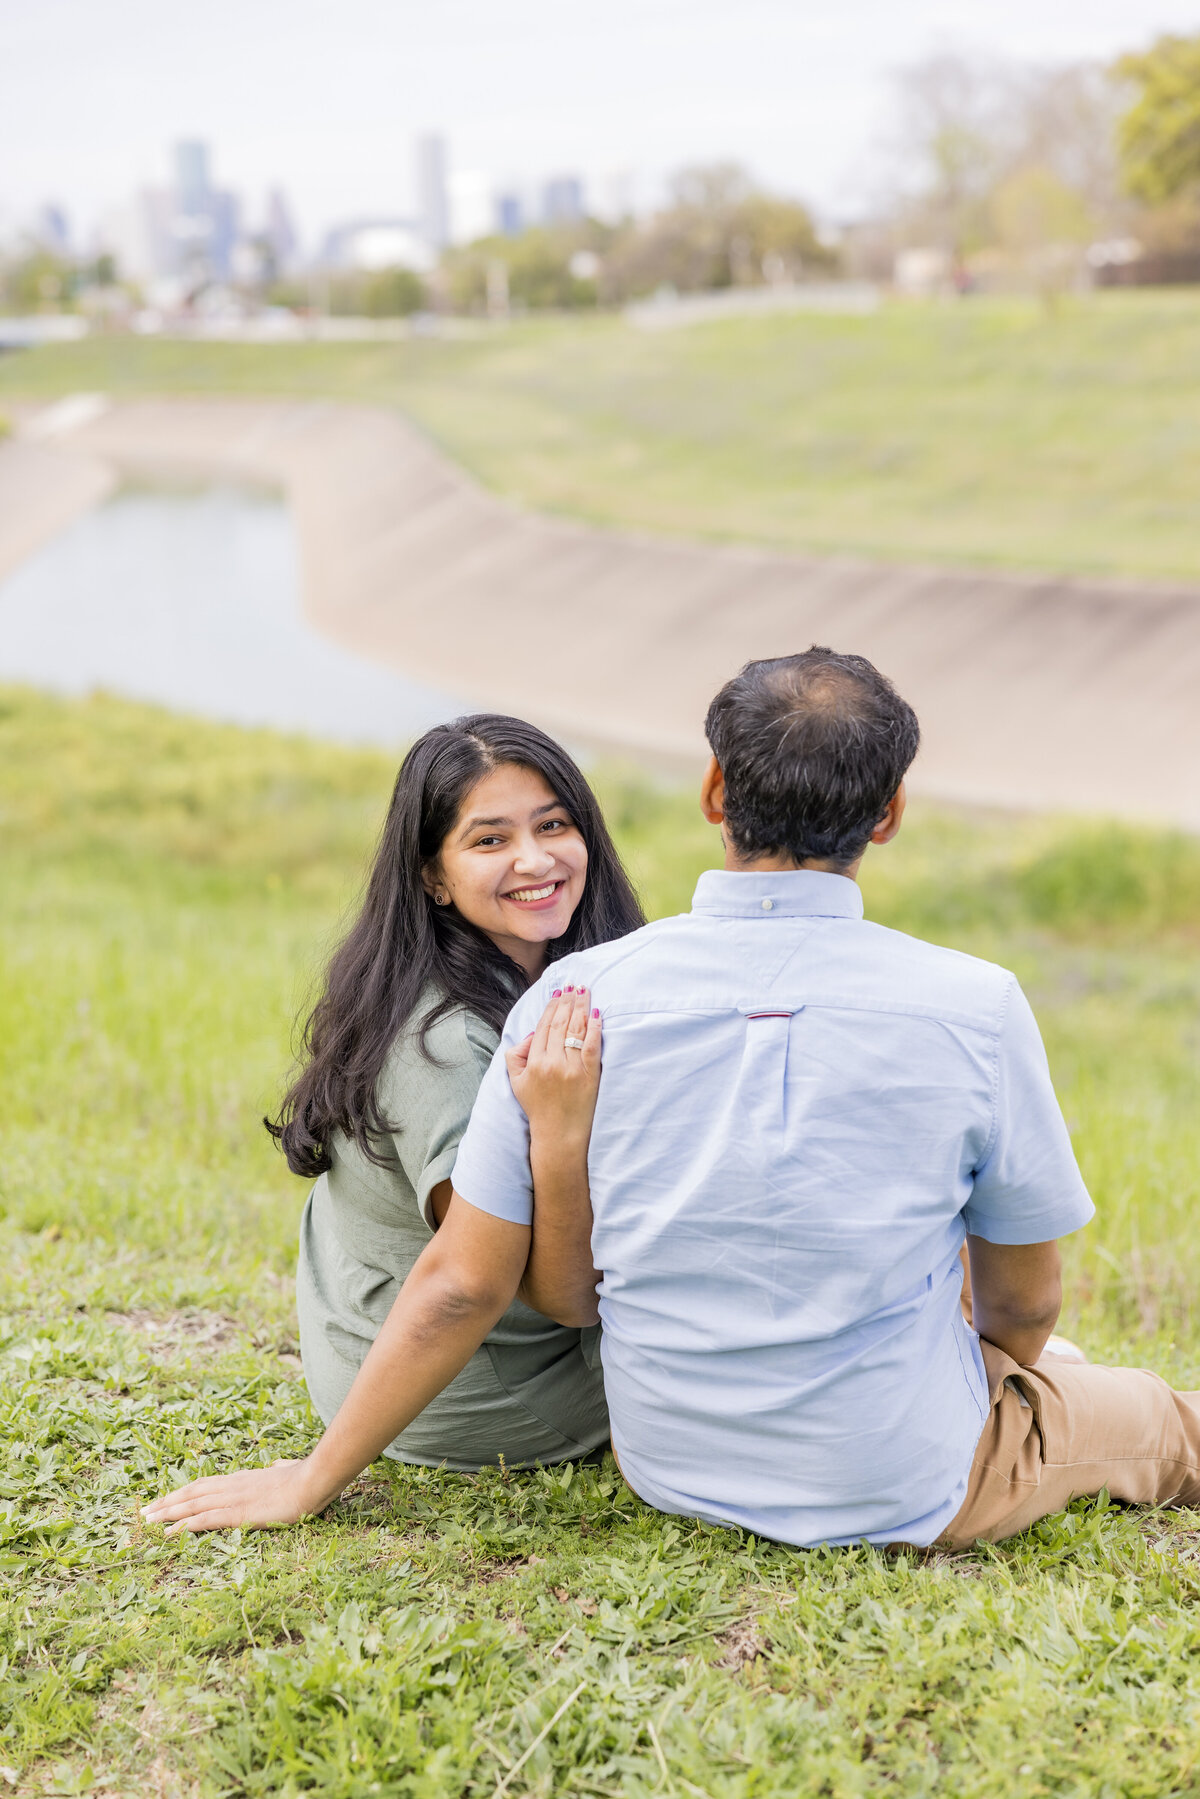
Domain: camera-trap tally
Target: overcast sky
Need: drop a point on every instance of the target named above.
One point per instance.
(325, 96)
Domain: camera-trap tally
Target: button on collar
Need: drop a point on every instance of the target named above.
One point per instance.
(768, 905)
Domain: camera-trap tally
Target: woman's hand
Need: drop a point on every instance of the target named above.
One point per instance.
(556, 1084)
(281, 1494)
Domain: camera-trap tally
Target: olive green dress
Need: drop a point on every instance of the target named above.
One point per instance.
(533, 1391)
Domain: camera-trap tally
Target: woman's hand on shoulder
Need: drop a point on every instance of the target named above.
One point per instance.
(556, 1082)
(257, 1497)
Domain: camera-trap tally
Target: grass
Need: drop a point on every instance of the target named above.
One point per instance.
(987, 431)
(167, 890)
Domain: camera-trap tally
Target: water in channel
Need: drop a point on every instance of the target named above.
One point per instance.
(192, 600)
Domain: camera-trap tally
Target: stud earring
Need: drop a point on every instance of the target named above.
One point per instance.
(440, 898)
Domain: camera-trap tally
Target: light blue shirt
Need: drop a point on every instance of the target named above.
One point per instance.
(800, 1117)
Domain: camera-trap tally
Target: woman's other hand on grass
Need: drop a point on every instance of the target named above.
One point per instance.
(253, 1498)
(554, 1081)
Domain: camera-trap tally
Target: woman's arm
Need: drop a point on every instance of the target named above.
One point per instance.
(556, 1086)
(461, 1283)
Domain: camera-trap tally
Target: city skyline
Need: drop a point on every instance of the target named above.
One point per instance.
(330, 111)
(186, 232)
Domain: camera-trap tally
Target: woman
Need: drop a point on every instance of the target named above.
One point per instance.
(494, 859)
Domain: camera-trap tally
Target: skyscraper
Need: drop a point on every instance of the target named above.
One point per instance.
(433, 212)
(192, 190)
(280, 232)
(204, 221)
(562, 200)
(510, 213)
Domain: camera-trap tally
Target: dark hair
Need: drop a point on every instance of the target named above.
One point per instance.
(402, 942)
(812, 748)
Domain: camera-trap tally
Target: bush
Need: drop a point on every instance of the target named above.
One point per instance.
(1113, 876)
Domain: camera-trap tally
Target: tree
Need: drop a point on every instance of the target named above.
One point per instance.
(537, 269)
(374, 294)
(38, 281)
(1008, 170)
(1159, 136)
(392, 294)
(1067, 119)
(720, 231)
(1043, 225)
(953, 138)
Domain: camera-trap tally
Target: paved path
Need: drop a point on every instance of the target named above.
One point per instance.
(1033, 691)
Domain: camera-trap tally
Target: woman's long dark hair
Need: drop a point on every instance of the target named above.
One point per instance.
(402, 943)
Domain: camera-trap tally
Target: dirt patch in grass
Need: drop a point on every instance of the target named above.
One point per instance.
(193, 1332)
(742, 1644)
(490, 1572)
(165, 1337)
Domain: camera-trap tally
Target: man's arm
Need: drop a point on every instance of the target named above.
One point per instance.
(1016, 1293)
(1027, 1192)
(463, 1281)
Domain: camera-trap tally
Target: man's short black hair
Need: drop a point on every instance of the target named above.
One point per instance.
(812, 748)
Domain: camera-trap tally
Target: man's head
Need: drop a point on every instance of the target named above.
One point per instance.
(812, 750)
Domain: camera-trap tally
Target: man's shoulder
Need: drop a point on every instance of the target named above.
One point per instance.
(946, 981)
(583, 967)
(588, 965)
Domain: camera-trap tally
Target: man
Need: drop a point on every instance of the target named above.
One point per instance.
(801, 1117)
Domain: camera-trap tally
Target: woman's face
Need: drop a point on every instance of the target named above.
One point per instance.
(513, 864)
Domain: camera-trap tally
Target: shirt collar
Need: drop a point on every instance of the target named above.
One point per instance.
(794, 893)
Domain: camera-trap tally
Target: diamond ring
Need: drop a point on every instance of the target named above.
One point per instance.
(572, 1042)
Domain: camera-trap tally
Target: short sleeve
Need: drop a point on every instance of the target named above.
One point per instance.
(492, 1169)
(432, 1099)
(1027, 1186)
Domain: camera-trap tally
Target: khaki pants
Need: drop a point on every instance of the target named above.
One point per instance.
(1080, 1429)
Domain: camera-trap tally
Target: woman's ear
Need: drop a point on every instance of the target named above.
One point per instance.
(431, 881)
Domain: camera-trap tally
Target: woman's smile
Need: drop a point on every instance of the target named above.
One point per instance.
(538, 897)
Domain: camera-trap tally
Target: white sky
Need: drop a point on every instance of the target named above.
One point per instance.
(326, 95)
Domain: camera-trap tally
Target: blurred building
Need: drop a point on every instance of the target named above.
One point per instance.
(433, 207)
(203, 221)
(510, 213)
(279, 233)
(612, 196)
(367, 244)
(135, 235)
(922, 271)
(184, 234)
(52, 230)
(417, 242)
(562, 200)
(472, 201)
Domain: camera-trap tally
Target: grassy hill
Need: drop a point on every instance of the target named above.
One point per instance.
(981, 431)
(167, 891)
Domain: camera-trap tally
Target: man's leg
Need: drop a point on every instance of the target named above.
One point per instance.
(1079, 1430)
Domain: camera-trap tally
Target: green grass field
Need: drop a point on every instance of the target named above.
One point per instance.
(168, 890)
(987, 431)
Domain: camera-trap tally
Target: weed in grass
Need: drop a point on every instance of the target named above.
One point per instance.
(167, 891)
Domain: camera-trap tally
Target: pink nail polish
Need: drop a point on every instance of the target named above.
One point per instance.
(557, 994)
(570, 989)
(595, 1011)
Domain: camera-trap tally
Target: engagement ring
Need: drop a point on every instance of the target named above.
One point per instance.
(572, 1042)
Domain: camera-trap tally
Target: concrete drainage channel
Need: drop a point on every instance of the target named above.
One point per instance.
(1033, 691)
